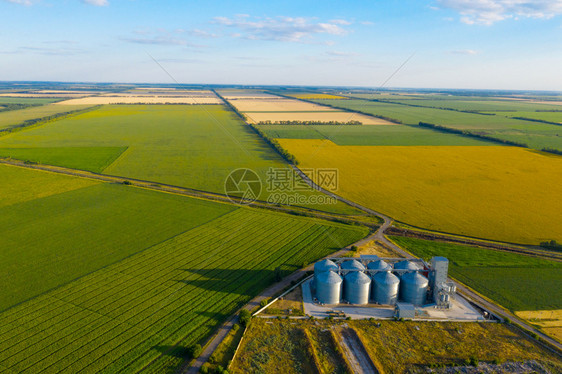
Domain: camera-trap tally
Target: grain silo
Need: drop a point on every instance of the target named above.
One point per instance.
(352, 265)
(328, 287)
(379, 265)
(384, 288)
(325, 265)
(413, 288)
(356, 287)
(404, 265)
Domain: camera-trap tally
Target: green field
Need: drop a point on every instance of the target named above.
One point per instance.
(16, 117)
(535, 135)
(194, 146)
(542, 116)
(94, 159)
(518, 282)
(475, 105)
(145, 309)
(27, 100)
(398, 135)
(69, 234)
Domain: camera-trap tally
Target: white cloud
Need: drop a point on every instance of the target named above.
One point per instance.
(465, 52)
(96, 2)
(487, 12)
(290, 29)
(22, 2)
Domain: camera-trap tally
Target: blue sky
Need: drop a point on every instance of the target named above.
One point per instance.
(493, 44)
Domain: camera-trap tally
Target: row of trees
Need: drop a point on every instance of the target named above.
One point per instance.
(310, 123)
(472, 134)
(290, 158)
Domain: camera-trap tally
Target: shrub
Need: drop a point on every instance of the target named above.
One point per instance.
(245, 316)
(194, 350)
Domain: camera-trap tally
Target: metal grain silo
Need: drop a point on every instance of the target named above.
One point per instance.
(413, 288)
(384, 288)
(352, 265)
(404, 265)
(325, 265)
(379, 265)
(328, 287)
(356, 287)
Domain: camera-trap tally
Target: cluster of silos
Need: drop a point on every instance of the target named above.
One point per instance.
(378, 283)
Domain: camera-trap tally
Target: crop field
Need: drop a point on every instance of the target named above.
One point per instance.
(280, 104)
(88, 228)
(541, 116)
(148, 97)
(256, 117)
(312, 96)
(142, 311)
(271, 345)
(25, 100)
(518, 282)
(21, 185)
(399, 135)
(94, 159)
(191, 146)
(448, 188)
(535, 135)
(476, 105)
(549, 321)
(15, 117)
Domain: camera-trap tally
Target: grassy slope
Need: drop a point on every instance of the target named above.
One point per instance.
(501, 193)
(15, 117)
(194, 146)
(370, 135)
(176, 292)
(399, 347)
(536, 135)
(52, 240)
(516, 281)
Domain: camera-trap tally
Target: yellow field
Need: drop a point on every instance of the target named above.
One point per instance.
(501, 193)
(312, 96)
(316, 116)
(550, 321)
(277, 105)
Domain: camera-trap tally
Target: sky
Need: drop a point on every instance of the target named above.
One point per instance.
(465, 44)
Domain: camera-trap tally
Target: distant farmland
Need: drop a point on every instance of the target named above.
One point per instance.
(194, 146)
(143, 310)
(501, 193)
(15, 117)
(535, 135)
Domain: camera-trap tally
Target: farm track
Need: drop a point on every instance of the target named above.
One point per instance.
(355, 351)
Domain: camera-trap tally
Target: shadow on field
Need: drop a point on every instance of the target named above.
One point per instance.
(245, 282)
(171, 350)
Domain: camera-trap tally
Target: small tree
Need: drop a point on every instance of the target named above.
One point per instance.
(354, 248)
(245, 317)
(194, 350)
